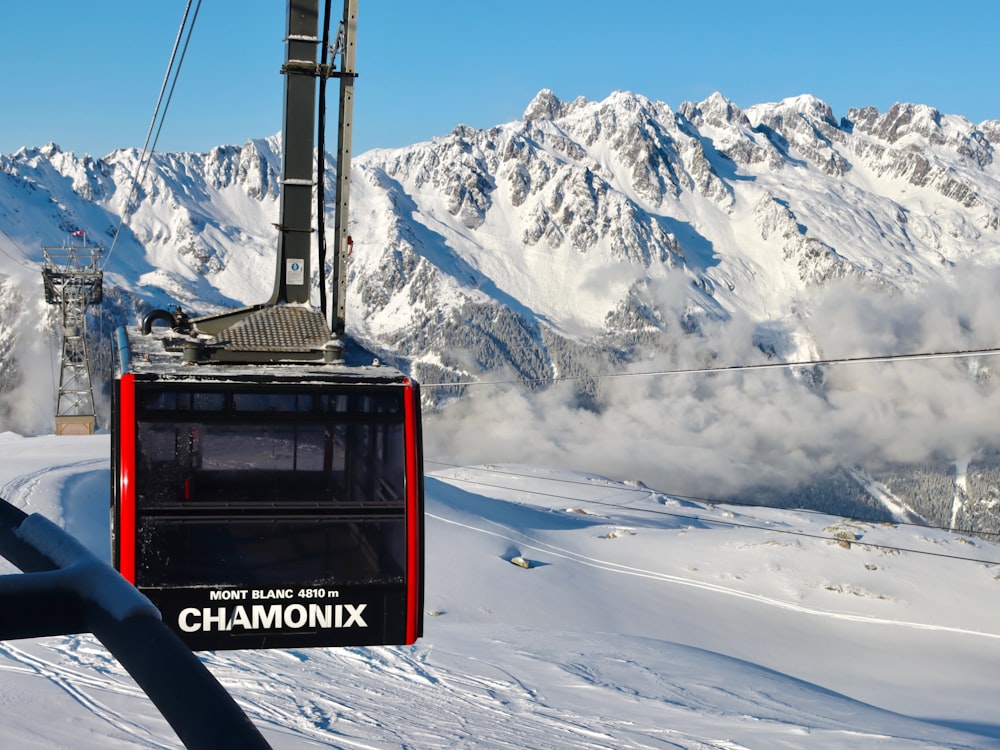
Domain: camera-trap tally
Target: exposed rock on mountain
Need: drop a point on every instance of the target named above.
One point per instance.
(555, 218)
(583, 238)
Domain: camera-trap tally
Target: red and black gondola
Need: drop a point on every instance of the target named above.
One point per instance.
(268, 506)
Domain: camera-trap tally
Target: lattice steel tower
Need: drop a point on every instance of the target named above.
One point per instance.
(73, 280)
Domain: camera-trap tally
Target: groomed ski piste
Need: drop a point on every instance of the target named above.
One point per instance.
(641, 621)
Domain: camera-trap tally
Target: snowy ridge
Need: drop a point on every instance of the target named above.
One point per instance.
(592, 238)
(753, 207)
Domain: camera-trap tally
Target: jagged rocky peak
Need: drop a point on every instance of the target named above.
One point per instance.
(716, 110)
(991, 129)
(32, 154)
(255, 166)
(619, 105)
(460, 167)
(260, 165)
(807, 125)
(899, 121)
(643, 138)
(625, 115)
(734, 135)
(633, 102)
(794, 113)
(914, 126)
(547, 106)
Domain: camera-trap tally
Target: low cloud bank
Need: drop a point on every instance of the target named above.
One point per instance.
(28, 366)
(717, 434)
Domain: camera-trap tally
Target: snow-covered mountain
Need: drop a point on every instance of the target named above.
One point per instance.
(591, 239)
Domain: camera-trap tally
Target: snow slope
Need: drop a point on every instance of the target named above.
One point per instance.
(644, 621)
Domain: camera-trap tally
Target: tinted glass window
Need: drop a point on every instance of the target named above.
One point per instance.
(370, 403)
(199, 465)
(260, 552)
(260, 487)
(272, 402)
(162, 400)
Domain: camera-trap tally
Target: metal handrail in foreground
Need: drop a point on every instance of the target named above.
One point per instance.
(66, 590)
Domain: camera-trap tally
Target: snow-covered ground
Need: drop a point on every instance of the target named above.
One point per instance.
(644, 622)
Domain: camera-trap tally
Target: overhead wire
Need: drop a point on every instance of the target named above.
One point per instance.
(955, 354)
(716, 521)
(27, 262)
(16, 260)
(156, 123)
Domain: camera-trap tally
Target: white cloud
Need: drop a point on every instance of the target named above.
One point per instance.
(715, 434)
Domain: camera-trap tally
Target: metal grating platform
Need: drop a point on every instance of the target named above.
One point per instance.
(282, 328)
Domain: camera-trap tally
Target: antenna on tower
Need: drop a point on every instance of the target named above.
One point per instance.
(73, 280)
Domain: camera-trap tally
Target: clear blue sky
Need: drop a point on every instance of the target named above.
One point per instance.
(86, 74)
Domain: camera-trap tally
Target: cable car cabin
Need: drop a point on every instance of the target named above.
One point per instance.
(268, 505)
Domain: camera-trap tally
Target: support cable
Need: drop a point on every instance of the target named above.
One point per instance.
(956, 354)
(147, 152)
(27, 262)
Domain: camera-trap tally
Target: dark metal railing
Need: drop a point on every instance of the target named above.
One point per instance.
(65, 590)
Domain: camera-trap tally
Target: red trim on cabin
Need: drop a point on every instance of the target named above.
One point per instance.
(413, 552)
(126, 478)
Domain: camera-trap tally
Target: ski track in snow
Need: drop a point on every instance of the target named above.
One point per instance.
(18, 491)
(428, 697)
(339, 698)
(452, 715)
(81, 678)
(525, 540)
(459, 702)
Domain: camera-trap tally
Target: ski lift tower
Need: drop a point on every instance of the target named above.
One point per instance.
(73, 280)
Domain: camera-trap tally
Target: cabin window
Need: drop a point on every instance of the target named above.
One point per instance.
(291, 479)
